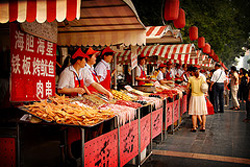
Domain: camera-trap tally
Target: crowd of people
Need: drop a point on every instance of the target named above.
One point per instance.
(223, 85)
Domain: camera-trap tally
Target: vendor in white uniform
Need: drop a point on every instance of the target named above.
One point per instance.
(90, 77)
(103, 68)
(71, 79)
(140, 73)
(160, 76)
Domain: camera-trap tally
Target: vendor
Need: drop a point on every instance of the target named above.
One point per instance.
(169, 71)
(140, 73)
(160, 76)
(90, 77)
(103, 68)
(71, 79)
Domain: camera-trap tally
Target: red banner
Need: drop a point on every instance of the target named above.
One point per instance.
(145, 131)
(129, 142)
(33, 62)
(102, 151)
(157, 122)
(169, 115)
(176, 109)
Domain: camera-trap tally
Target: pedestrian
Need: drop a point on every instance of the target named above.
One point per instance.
(218, 86)
(243, 85)
(197, 103)
(234, 88)
(210, 93)
(247, 119)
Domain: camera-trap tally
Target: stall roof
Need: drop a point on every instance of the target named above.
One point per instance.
(39, 10)
(181, 52)
(104, 22)
(163, 34)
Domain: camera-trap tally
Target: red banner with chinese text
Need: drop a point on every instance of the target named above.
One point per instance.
(33, 63)
(129, 142)
(169, 115)
(157, 122)
(184, 104)
(102, 151)
(176, 109)
(145, 131)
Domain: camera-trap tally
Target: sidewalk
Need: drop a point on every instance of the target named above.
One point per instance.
(226, 142)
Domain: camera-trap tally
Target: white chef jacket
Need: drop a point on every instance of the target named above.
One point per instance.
(160, 76)
(101, 69)
(87, 75)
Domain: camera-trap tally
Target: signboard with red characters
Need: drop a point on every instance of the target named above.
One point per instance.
(33, 63)
(169, 116)
(129, 142)
(145, 131)
(102, 151)
(176, 109)
(156, 122)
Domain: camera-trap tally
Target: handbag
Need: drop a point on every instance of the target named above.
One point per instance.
(204, 87)
(210, 107)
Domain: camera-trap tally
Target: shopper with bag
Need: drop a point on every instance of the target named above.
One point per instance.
(197, 103)
(218, 86)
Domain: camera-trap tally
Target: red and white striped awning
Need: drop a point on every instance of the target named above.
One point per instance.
(39, 10)
(158, 31)
(162, 34)
(180, 52)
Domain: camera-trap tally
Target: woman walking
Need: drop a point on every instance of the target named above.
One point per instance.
(197, 103)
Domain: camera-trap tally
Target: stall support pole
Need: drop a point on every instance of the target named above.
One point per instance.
(172, 126)
(164, 123)
(115, 77)
(119, 139)
(83, 141)
(139, 137)
(151, 127)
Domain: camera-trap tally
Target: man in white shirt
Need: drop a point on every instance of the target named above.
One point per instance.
(160, 76)
(218, 85)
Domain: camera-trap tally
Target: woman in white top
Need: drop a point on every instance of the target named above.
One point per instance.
(160, 76)
(103, 68)
(71, 79)
(90, 77)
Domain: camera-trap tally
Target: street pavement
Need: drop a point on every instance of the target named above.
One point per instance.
(226, 142)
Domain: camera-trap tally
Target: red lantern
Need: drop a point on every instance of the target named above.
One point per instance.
(181, 21)
(211, 54)
(193, 33)
(207, 48)
(201, 42)
(171, 10)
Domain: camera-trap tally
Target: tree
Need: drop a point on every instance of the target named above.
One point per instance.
(224, 23)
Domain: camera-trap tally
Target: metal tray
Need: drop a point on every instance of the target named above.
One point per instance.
(24, 109)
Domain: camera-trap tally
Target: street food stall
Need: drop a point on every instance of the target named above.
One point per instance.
(34, 48)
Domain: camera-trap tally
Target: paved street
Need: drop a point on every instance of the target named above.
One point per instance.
(226, 142)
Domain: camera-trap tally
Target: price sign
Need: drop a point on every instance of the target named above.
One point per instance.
(145, 131)
(169, 116)
(33, 63)
(157, 122)
(102, 151)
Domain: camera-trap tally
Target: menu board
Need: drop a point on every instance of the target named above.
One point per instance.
(33, 63)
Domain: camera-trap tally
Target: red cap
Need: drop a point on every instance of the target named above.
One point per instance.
(107, 49)
(169, 63)
(162, 65)
(91, 51)
(197, 66)
(142, 56)
(79, 53)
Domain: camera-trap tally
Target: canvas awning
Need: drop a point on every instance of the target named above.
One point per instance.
(162, 34)
(104, 22)
(179, 52)
(39, 10)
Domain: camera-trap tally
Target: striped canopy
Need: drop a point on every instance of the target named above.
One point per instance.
(180, 53)
(39, 10)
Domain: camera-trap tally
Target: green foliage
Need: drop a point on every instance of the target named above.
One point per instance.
(224, 23)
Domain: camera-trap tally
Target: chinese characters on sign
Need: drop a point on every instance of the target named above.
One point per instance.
(32, 66)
